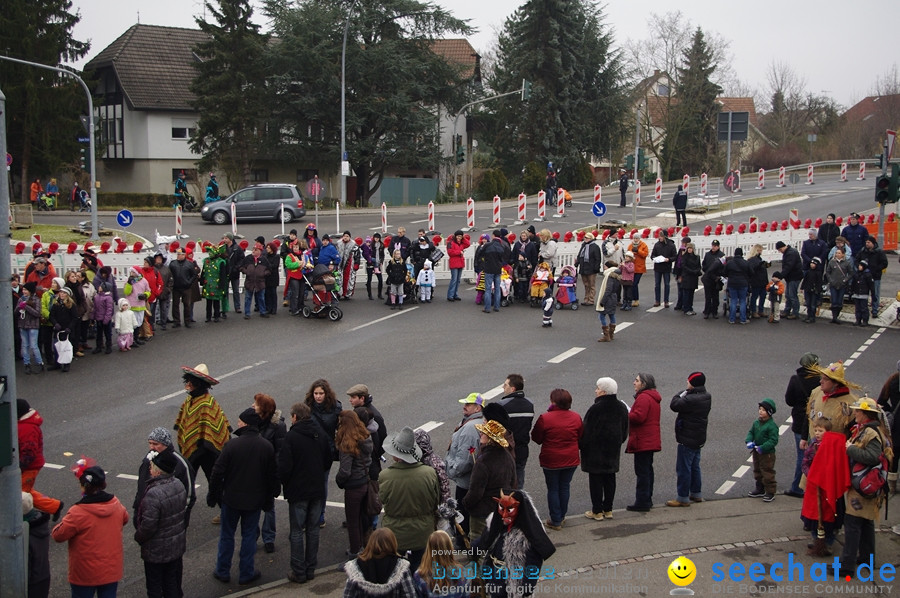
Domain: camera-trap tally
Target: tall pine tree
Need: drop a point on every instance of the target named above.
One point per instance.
(230, 89)
(43, 107)
(690, 144)
(578, 101)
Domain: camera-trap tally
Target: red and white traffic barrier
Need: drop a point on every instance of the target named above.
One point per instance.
(704, 184)
(383, 218)
(761, 179)
(810, 175)
(657, 191)
(862, 172)
(233, 218)
(178, 220)
(780, 176)
(470, 214)
(637, 193)
(560, 203)
(686, 183)
(843, 172)
(522, 199)
(431, 216)
(496, 210)
(598, 193)
(794, 218)
(542, 207)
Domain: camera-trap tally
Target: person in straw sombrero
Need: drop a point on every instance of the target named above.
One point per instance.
(831, 399)
(201, 424)
(494, 471)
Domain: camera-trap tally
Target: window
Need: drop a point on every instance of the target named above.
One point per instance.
(259, 175)
(662, 90)
(190, 174)
(183, 128)
(306, 175)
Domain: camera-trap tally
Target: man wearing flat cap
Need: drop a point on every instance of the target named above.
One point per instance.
(463, 445)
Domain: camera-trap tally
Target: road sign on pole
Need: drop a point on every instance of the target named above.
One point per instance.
(125, 218)
(599, 209)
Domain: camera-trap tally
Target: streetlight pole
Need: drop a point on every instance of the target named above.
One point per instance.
(345, 164)
(94, 186)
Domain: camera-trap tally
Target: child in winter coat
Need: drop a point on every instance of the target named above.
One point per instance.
(103, 316)
(627, 279)
(65, 320)
(396, 276)
(812, 288)
(860, 288)
(761, 441)
(28, 313)
(31, 457)
(425, 280)
(607, 300)
(775, 289)
(137, 292)
(125, 325)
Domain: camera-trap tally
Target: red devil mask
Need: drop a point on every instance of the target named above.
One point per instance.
(507, 508)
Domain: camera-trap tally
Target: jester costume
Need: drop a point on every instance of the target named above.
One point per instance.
(214, 282)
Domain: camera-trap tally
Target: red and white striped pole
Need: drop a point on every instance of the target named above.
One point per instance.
(178, 220)
(496, 210)
(542, 206)
(470, 214)
(522, 198)
(862, 172)
(598, 193)
(560, 203)
(383, 218)
(431, 216)
(704, 184)
(233, 218)
(780, 176)
(686, 183)
(637, 193)
(843, 172)
(657, 192)
(810, 174)
(761, 179)
(794, 218)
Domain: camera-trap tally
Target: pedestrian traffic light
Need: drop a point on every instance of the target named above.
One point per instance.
(629, 161)
(526, 89)
(882, 189)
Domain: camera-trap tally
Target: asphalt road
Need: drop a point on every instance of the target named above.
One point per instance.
(417, 364)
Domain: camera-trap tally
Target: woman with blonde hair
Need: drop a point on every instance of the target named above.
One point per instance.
(431, 583)
(355, 446)
(379, 570)
(547, 250)
(759, 277)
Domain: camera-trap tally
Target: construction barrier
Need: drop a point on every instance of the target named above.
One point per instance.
(657, 193)
(496, 210)
(810, 175)
(862, 172)
(761, 179)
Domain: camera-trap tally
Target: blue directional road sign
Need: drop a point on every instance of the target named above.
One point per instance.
(125, 218)
(599, 209)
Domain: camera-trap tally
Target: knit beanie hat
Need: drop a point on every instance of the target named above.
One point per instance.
(160, 435)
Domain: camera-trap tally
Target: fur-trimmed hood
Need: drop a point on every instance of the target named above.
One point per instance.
(368, 588)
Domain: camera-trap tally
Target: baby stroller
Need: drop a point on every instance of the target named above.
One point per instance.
(46, 202)
(565, 294)
(410, 288)
(540, 281)
(506, 283)
(324, 299)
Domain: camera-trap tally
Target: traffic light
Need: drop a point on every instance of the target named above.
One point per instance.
(880, 158)
(460, 150)
(83, 160)
(526, 89)
(629, 161)
(642, 160)
(887, 187)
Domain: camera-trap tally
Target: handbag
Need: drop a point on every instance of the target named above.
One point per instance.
(373, 500)
(436, 256)
(63, 348)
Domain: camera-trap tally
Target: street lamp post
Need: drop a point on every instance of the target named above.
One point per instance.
(345, 165)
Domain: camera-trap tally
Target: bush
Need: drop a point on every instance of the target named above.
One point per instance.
(493, 182)
(534, 178)
(136, 200)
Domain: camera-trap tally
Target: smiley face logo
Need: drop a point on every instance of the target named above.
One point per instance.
(682, 571)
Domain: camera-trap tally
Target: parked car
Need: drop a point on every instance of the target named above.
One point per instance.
(260, 201)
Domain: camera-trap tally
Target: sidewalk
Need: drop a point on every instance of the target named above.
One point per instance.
(723, 538)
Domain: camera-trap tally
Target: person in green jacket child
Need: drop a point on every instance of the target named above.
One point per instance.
(761, 441)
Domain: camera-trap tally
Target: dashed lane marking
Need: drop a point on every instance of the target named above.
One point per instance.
(740, 471)
(725, 487)
(54, 466)
(566, 354)
(868, 343)
(429, 426)
(494, 392)
(388, 317)
(181, 393)
(127, 476)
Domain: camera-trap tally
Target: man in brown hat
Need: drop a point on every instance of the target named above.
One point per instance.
(831, 399)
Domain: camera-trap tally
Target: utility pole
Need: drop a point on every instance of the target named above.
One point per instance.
(637, 150)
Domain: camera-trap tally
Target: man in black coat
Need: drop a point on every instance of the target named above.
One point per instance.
(796, 396)
(623, 186)
(679, 202)
(812, 248)
(712, 267)
(877, 264)
(184, 276)
(360, 397)
(243, 483)
(692, 406)
(521, 418)
(792, 270)
(233, 259)
(664, 249)
(302, 463)
(494, 257)
(605, 431)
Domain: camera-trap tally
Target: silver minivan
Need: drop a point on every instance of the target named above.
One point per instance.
(262, 201)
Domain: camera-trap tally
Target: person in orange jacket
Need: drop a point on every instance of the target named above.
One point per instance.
(640, 250)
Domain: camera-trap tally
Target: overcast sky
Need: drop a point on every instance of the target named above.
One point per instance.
(834, 46)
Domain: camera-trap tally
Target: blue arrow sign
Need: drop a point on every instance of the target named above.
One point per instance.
(599, 209)
(125, 218)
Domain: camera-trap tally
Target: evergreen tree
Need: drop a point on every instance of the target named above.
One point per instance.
(42, 106)
(229, 89)
(577, 103)
(690, 144)
(394, 84)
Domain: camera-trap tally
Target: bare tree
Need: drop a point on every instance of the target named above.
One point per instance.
(787, 117)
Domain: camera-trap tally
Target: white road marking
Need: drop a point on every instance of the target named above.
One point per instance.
(740, 471)
(418, 221)
(725, 487)
(566, 354)
(869, 342)
(126, 476)
(494, 392)
(783, 428)
(388, 317)
(623, 326)
(54, 466)
(222, 377)
(429, 426)
(653, 310)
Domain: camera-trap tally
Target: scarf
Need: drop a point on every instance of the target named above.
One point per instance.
(201, 418)
(602, 291)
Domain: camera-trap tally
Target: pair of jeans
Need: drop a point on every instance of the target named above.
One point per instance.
(602, 487)
(643, 471)
(491, 281)
(235, 293)
(295, 295)
(758, 300)
(687, 299)
(163, 307)
(663, 277)
(798, 472)
(603, 316)
(29, 338)
(304, 514)
(520, 476)
(260, 297)
(792, 298)
(837, 297)
(711, 298)
(271, 297)
(687, 471)
(453, 289)
(107, 590)
(249, 522)
(876, 295)
(370, 272)
(737, 297)
(558, 484)
(812, 301)
(164, 579)
(634, 288)
(268, 525)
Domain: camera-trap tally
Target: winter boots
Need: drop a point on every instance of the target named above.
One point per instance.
(607, 336)
(612, 331)
(834, 315)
